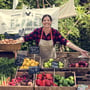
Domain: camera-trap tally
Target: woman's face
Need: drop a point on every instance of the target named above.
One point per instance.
(46, 22)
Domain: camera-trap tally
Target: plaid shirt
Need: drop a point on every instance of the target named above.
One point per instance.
(36, 35)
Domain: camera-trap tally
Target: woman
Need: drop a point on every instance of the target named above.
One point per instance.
(46, 37)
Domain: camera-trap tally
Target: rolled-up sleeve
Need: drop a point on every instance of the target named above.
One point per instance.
(30, 36)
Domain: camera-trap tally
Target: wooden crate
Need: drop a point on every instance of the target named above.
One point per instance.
(69, 54)
(16, 88)
(61, 54)
(56, 60)
(63, 73)
(25, 74)
(55, 88)
(36, 59)
(77, 60)
(67, 74)
(42, 87)
(84, 79)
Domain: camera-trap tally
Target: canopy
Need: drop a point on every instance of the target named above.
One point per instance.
(12, 21)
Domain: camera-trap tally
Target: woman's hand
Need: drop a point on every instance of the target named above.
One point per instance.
(84, 53)
(19, 40)
(74, 47)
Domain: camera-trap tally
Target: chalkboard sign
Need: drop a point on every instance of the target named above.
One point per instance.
(55, 64)
(34, 69)
(19, 59)
(33, 50)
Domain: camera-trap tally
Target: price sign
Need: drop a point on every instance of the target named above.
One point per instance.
(55, 64)
(21, 32)
(34, 69)
(19, 59)
(34, 50)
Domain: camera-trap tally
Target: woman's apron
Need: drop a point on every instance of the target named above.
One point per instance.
(47, 50)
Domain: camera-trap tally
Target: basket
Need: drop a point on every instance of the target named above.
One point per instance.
(10, 47)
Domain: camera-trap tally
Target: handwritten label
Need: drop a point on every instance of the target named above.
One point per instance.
(55, 64)
(19, 59)
(34, 69)
(34, 50)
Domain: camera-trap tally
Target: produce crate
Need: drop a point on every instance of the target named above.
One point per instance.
(27, 61)
(53, 63)
(78, 63)
(82, 73)
(42, 75)
(67, 74)
(24, 78)
(63, 73)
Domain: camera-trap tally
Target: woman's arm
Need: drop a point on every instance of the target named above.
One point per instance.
(74, 47)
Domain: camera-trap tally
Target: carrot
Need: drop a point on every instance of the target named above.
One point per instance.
(7, 80)
(4, 83)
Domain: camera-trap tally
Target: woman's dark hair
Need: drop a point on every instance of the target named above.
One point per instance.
(46, 15)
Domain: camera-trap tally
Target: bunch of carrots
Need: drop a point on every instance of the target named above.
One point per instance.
(4, 80)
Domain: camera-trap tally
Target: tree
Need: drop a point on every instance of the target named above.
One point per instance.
(76, 29)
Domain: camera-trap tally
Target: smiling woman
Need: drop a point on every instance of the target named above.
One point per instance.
(46, 21)
(46, 37)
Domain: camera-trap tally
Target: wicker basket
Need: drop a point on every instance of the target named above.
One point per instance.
(10, 47)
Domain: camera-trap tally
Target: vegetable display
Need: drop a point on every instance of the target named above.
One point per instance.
(45, 79)
(51, 63)
(63, 81)
(79, 64)
(25, 80)
(28, 62)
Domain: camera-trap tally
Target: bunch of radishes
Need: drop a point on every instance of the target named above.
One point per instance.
(23, 80)
(79, 64)
(45, 79)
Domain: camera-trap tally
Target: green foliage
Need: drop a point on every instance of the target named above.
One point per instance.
(60, 2)
(25, 46)
(6, 4)
(76, 29)
(2, 36)
(7, 66)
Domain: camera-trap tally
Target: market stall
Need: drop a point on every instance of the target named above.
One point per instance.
(81, 75)
(27, 70)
